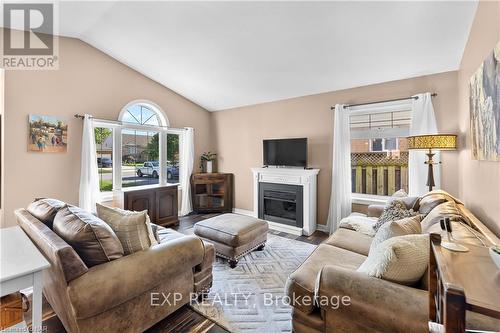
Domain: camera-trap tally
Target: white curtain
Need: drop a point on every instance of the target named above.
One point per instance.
(187, 161)
(89, 176)
(423, 122)
(340, 197)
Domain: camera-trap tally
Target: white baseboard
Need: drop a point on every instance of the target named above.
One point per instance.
(285, 228)
(243, 212)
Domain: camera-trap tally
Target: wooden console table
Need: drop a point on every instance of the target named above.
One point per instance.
(459, 282)
(161, 202)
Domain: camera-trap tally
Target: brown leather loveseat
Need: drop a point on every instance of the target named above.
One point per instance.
(129, 294)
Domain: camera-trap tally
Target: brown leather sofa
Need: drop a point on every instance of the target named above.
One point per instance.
(375, 305)
(129, 294)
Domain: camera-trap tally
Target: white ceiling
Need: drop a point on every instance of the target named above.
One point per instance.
(227, 54)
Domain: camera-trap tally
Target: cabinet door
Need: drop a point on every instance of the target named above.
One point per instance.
(141, 200)
(166, 206)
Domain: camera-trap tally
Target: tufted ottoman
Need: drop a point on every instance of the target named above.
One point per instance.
(233, 235)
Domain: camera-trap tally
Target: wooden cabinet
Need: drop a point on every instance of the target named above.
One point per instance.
(212, 192)
(161, 202)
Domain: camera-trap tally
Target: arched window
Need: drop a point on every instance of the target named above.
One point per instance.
(138, 150)
(143, 113)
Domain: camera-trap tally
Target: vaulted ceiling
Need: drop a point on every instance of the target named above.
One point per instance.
(228, 54)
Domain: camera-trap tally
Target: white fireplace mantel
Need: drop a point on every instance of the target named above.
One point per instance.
(307, 178)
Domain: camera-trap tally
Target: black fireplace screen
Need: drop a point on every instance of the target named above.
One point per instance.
(281, 203)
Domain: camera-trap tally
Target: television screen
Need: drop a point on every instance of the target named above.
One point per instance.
(286, 152)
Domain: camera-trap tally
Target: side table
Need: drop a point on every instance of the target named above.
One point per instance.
(21, 266)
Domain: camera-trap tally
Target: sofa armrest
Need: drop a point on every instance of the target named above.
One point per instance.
(108, 285)
(378, 304)
(375, 210)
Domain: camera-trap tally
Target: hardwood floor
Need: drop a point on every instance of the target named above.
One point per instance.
(185, 319)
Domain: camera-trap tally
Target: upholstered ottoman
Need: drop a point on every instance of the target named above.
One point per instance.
(233, 235)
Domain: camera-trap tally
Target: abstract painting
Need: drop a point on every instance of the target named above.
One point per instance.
(485, 108)
(47, 134)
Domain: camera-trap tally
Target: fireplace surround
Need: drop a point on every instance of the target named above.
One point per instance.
(286, 198)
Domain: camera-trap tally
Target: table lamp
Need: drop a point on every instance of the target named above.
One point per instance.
(430, 142)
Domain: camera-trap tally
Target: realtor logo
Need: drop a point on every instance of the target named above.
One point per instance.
(28, 36)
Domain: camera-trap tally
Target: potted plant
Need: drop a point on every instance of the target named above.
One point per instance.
(207, 158)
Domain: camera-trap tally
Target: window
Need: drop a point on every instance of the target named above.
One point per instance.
(379, 153)
(140, 158)
(173, 158)
(104, 150)
(137, 150)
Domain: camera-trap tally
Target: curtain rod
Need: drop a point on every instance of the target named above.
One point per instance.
(79, 116)
(384, 101)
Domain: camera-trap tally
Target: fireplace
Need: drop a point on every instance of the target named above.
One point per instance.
(281, 203)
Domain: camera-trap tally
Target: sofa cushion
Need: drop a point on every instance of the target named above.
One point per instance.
(434, 198)
(406, 226)
(301, 283)
(350, 240)
(93, 240)
(133, 229)
(401, 259)
(394, 210)
(45, 210)
(446, 209)
(231, 229)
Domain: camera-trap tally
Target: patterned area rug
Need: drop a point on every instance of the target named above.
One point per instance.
(249, 298)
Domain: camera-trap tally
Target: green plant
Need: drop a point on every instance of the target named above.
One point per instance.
(496, 248)
(106, 185)
(208, 156)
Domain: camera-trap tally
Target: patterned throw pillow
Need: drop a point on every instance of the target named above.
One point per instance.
(132, 228)
(394, 210)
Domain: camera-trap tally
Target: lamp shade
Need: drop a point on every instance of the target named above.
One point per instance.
(433, 141)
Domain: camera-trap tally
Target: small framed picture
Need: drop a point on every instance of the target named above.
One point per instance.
(47, 134)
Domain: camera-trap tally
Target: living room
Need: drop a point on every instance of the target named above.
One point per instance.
(265, 153)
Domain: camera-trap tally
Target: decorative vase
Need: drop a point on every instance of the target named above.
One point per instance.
(209, 166)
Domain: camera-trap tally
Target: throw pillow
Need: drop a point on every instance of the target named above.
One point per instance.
(132, 228)
(93, 240)
(359, 222)
(394, 210)
(406, 226)
(45, 210)
(400, 194)
(400, 259)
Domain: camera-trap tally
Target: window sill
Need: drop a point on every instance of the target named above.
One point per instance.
(106, 197)
(368, 199)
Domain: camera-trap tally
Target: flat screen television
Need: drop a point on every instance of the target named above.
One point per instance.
(285, 152)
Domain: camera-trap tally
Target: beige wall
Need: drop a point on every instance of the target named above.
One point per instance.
(239, 132)
(479, 180)
(88, 81)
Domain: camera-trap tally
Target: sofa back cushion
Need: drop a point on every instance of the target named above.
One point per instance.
(133, 229)
(65, 263)
(446, 209)
(45, 210)
(401, 259)
(434, 198)
(93, 240)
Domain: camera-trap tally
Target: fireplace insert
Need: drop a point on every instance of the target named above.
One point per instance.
(281, 203)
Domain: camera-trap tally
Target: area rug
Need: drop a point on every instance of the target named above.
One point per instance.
(249, 298)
